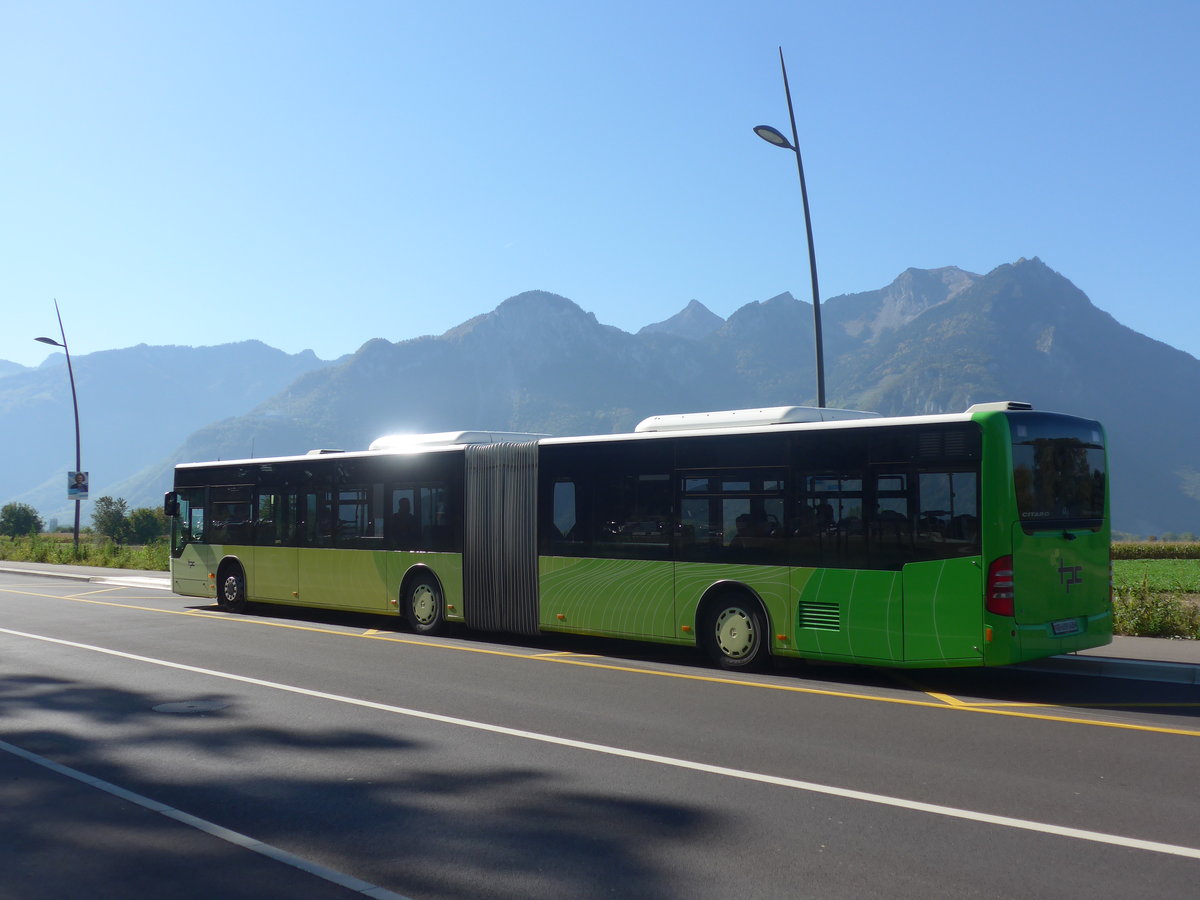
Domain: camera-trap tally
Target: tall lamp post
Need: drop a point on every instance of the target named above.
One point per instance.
(773, 136)
(74, 402)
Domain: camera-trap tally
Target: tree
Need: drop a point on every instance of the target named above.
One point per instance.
(147, 525)
(109, 519)
(17, 519)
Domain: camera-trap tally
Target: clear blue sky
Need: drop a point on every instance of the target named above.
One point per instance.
(318, 174)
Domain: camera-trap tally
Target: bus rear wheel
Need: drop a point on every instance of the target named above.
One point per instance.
(735, 633)
(231, 589)
(424, 606)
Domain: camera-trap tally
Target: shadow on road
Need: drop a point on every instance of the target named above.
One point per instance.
(391, 810)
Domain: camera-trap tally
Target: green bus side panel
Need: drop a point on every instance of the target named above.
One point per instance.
(607, 596)
(943, 611)
(847, 612)
(274, 573)
(447, 567)
(344, 579)
(771, 584)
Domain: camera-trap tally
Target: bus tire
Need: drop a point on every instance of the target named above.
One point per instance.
(424, 606)
(231, 588)
(734, 632)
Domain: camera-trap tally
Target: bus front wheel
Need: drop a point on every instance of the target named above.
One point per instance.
(735, 633)
(231, 589)
(426, 611)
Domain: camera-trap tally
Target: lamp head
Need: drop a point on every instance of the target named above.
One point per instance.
(51, 341)
(773, 136)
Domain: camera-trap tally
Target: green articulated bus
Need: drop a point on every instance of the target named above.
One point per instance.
(969, 539)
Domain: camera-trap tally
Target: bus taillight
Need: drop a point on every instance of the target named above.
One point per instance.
(1000, 587)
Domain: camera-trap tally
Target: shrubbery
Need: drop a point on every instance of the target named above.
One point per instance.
(19, 518)
(150, 557)
(1142, 612)
(1156, 550)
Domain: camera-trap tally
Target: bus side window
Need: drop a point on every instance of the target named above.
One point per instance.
(232, 517)
(835, 505)
(356, 517)
(318, 519)
(195, 528)
(633, 514)
(892, 528)
(418, 518)
(733, 515)
(948, 521)
(564, 537)
(433, 518)
(274, 525)
(402, 530)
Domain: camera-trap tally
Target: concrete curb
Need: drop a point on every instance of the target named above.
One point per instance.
(162, 583)
(43, 574)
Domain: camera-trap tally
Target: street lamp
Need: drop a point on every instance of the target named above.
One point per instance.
(74, 402)
(773, 136)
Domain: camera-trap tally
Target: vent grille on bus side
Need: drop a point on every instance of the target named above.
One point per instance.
(943, 443)
(825, 616)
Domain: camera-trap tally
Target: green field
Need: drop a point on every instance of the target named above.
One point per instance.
(1180, 576)
(1157, 597)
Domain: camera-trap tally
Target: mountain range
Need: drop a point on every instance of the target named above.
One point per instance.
(934, 340)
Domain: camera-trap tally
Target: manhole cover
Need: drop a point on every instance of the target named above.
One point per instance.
(191, 706)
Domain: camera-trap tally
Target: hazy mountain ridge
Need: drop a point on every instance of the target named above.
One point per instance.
(11, 368)
(694, 322)
(134, 405)
(932, 341)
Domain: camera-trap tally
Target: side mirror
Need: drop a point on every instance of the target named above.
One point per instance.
(170, 504)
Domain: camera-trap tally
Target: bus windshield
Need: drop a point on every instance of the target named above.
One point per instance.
(1058, 470)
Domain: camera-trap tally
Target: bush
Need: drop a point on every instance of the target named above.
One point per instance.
(17, 519)
(147, 525)
(1146, 613)
(1156, 550)
(109, 519)
(150, 557)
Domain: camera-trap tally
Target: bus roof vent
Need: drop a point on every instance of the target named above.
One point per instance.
(443, 438)
(999, 406)
(322, 452)
(737, 418)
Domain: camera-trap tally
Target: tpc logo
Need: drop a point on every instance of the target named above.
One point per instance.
(1070, 575)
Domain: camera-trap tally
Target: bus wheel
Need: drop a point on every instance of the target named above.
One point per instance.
(231, 590)
(424, 605)
(735, 633)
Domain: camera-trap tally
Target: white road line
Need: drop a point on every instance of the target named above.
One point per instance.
(1098, 837)
(211, 828)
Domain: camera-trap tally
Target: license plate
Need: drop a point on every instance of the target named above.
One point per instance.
(1065, 626)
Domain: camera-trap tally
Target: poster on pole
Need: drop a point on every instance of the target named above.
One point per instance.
(77, 485)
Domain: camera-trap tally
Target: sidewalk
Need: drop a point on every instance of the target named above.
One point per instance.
(94, 574)
(1141, 659)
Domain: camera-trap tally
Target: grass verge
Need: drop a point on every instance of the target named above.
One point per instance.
(50, 549)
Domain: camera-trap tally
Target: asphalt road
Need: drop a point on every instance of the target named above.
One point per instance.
(300, 754)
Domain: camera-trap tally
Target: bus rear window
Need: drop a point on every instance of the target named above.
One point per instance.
(1058, 470)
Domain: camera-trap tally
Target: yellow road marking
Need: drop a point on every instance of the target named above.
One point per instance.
(946, 698)
(940, 701)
